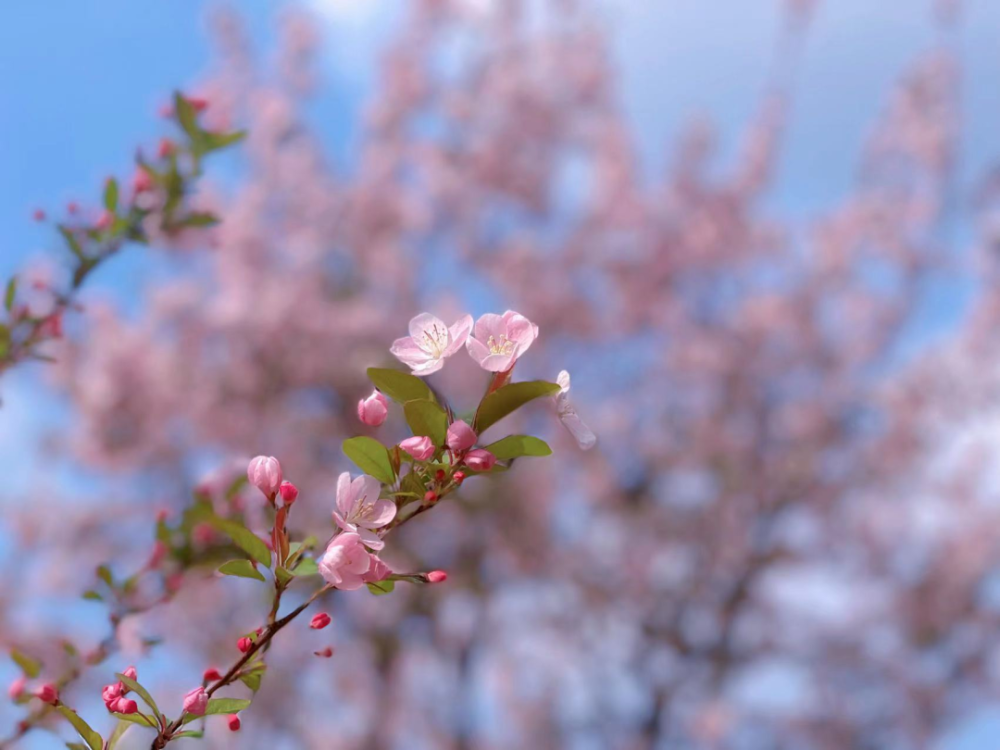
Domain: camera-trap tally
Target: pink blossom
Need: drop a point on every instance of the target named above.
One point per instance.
(345, 562)
(373, 410)
(378, 571)
(360, 510)
(430, 342)
(319, 621)
(16, 688)
(418, 446)
(500, 339)
(480, 460)
(264, 473)
(567, 414)
(132, 673)
(196, 701)
(288, 493)
(461, 437)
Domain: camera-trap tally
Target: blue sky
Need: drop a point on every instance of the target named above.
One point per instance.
(81, 82)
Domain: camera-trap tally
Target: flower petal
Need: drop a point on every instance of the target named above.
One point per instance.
(345, 497)
(408, 352)
(477, 350)
(459, 334)
(371, 539)
(379, 514)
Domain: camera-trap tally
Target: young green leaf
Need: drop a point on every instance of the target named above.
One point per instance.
(92, 596)
(243, 537)
(306, 568)
(111, 194)
(137, 718)
(380, 588)
(29, 665)
(427, 418)
(92, 738)
(192, 733)
(400, 386)
(515, 446)
(219, 706)
(242, 569)
(139, 690)
(371, 457)
(509, 399)
(8, 297)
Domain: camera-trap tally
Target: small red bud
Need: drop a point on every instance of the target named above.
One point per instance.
(166, 148)
(319, 621)
(141, 181)
(459, 477)
(162, 515)
(439, 475)
(244, 644)
(38, 215)
(126, 706)
(234, 723)
(211, 675)
(437, 576)
(131, 673)
(289, 492)
(105, 220)
(430, 496)
(72, 207)
(48, 693)
(326, 653)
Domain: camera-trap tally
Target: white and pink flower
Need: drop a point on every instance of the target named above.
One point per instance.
(360, 510)
(345, 562)
(430, 343)
(499, 340)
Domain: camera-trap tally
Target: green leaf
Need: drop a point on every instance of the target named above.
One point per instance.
(139, 690)
(219, 706)
(243, 537)
(111, 194)
(242, 569)
(76, 746)
(193, 733)
(252, 676)
(509, 399)
(427, 418)
(29, 665)
(380, 588)
(413, 484)
(515, 446)
(306, 568)
(400, 386)
(116, 735)
(8, 297)
(91, 737)
(104, 573)
(282, 574)
(140, 719)
(199, 219)
(187, 117)
(371, 457)
(92, 596)
(238, 484)
(215, 141)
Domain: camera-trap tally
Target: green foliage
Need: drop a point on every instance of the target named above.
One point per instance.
(515, 446)
(425, 417)
(111, 195)
(509, 399)
(371, 457)
(30, 666)
(219, 706)
(380, 588)
(252, 675)
(92, 738)
(400, 386)
(139, 690)
(243, 537)
(8, 297)
(242, 569)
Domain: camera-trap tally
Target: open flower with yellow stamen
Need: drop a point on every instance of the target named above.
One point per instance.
(500, 339)
(430, 343)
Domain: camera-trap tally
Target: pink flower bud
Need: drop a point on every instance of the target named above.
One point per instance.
(326, 653)
(319, 621)
(480, 460)
(418, 446)
(244, 644)
(211, 675)
(430, 496)
(440, 475)
(104, 221)
(131, 673)
(288, 492)
(196, 701)
(112, 693)
(156, 556)
(264, 473)
(38, 215)
(460, 436)
(234, 723)
(166, 148)
(16, 689)
(459, 477)
(373, 410)
(48, 693)
(126, 706)
(141, 181)
(437, 576)
(72, 207)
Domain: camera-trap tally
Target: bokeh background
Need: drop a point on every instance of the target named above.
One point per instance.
(762, 237)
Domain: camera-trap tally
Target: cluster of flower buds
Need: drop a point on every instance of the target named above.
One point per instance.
(114, 695)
